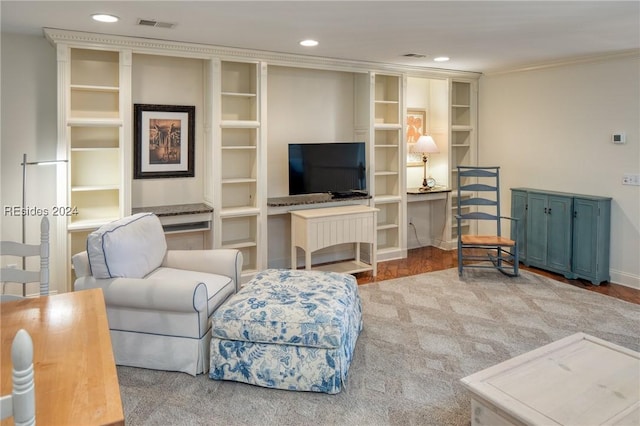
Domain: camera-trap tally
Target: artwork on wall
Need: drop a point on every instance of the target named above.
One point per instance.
(163, 145)
(416, 127)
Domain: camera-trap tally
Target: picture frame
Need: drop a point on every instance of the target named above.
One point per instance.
(164, 141)
(416, 125)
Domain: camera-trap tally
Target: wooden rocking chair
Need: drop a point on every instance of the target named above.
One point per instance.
(479, 200)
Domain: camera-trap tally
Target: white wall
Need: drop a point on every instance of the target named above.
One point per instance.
(28, 123)
(165, 80)
(551, 129)
(305, 105)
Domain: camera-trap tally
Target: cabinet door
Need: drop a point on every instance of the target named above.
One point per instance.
(559, 212)
(537, 229)
(591, 238)
(585, 237)
(519, 211)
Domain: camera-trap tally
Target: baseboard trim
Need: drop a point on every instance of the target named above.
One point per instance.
(625, 279)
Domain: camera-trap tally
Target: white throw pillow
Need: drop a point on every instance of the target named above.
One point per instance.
(130, 247)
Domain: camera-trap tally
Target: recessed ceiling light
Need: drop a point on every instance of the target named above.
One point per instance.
(308, 43)
(441, 59)
(102, 17)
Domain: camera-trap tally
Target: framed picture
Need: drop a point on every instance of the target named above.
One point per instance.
(163, 141)
(416, 127)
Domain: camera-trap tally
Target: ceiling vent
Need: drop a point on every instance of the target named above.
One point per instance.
(154, 23)
(414, 55)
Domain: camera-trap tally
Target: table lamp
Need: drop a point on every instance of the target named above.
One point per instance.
(426, 145)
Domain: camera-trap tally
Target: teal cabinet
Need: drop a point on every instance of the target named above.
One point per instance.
(549, 232)
(564, 233)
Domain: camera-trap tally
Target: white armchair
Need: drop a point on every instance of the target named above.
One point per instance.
(159, 302)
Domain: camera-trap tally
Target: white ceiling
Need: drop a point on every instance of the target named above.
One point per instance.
(479, 36)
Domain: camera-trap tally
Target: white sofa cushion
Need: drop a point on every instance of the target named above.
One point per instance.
(112, 247)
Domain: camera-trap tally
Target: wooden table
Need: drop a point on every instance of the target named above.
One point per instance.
(579, 380)
(75, 373)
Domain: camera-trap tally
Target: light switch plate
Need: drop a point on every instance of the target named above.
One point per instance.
(631, 179)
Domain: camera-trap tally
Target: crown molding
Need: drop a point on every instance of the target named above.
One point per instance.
(630, 53)
(206, 51)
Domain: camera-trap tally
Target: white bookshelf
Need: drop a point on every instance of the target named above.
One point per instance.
(462, 148)
(388, 163)
(238, 193)
(92, 138)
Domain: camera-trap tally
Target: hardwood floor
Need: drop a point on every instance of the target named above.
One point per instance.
(429, 259)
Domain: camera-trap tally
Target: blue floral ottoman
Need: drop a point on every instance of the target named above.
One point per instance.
(288, 329)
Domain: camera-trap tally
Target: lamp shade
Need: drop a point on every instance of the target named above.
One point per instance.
(425, 144)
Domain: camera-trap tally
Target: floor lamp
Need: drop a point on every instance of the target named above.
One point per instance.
(24, 165)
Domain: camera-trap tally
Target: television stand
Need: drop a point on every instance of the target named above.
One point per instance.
(315, 229)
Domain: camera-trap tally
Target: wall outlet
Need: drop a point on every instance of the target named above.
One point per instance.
(631, 179)
(410, 220)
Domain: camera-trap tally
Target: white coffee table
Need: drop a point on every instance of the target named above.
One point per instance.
(579, 380)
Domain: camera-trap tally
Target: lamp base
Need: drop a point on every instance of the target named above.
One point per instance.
(428, 184)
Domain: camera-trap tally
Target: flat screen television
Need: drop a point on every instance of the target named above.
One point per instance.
(335, 167)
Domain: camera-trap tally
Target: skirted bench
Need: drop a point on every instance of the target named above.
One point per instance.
(288, 329)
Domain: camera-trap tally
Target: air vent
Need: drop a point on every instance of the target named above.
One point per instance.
(414, 55)
(154, 23)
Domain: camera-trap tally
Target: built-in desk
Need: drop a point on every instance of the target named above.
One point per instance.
(181, 217)
(437, 193)
(427, 213)
(314, 229)
(187, 225)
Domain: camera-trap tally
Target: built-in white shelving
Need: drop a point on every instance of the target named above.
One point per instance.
(92, 138)
(388, 163)
(238, 192)
(95, 133)
(462, 142)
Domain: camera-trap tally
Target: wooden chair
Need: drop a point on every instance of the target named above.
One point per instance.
(21, 403)
(479, 200)
(22, 275)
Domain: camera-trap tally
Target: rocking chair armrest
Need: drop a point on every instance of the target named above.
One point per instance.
(514, 226)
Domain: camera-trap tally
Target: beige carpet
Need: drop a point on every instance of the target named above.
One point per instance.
(422, 335)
